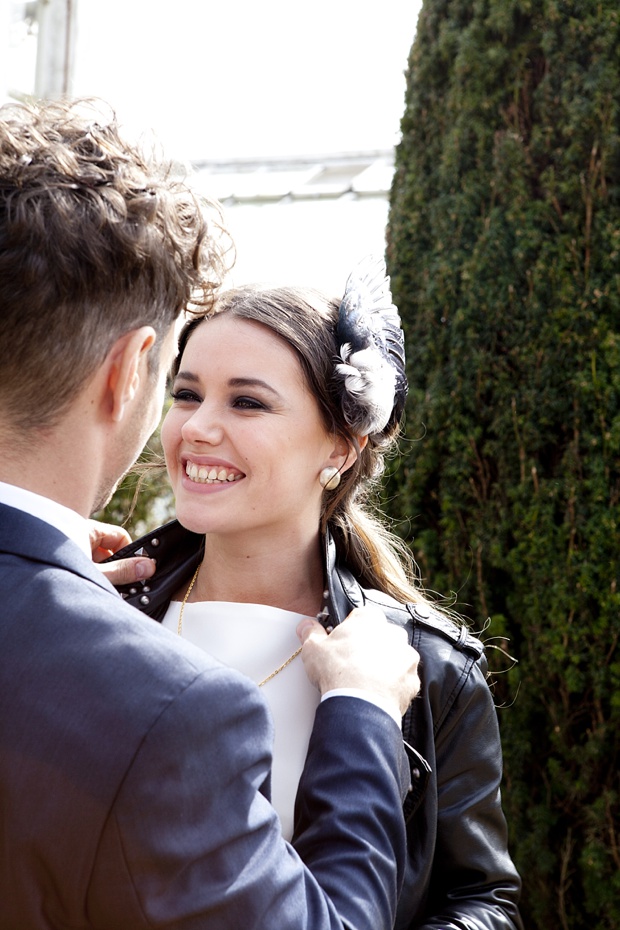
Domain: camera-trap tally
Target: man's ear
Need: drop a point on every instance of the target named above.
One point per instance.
(126, 363)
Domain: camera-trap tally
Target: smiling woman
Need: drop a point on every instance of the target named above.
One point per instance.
(244, 442)
(284, 405)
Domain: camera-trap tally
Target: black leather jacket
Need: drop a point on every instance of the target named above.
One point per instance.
(459, 876)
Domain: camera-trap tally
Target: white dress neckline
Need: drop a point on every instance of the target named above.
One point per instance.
(255, 639)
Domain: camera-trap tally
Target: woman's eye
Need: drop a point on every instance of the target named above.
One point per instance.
(248, 403)
(185, 395)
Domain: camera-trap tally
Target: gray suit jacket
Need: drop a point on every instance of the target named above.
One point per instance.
(134, 773)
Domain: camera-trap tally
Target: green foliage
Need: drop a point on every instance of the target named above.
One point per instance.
(504, 252)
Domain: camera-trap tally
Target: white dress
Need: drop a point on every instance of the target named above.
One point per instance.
(256, 639)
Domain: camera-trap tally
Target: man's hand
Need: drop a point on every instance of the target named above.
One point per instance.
(365, 652)
(105, 540)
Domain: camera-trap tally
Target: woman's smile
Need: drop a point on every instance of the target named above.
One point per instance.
(211, 474)
(244, 440)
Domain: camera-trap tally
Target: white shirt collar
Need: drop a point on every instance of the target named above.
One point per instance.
(57, 515)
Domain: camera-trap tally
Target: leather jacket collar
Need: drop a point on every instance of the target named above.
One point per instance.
(178, 552)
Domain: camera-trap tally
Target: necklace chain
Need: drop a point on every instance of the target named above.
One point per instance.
(279, 669)
(187, 594)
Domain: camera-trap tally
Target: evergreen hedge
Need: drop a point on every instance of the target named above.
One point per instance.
(504, 253)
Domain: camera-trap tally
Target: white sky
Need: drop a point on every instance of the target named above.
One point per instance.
(262, 78)
(248, 78)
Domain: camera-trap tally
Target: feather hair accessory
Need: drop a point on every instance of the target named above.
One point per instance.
(372, 349)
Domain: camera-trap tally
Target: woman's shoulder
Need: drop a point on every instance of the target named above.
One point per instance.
(430, 625)
(453, 664)
(433, 632)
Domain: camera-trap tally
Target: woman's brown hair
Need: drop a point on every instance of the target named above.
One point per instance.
(306, 321)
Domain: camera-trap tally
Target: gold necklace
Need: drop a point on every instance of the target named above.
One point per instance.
(279, 669)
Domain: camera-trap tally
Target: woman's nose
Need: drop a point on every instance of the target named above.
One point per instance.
(203, 426)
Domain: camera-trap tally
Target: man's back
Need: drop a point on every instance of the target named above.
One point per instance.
(84, 682)
(132, 771)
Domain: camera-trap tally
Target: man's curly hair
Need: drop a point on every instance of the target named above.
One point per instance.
(97, 238)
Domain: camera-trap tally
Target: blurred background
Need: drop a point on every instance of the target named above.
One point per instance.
(288, 113)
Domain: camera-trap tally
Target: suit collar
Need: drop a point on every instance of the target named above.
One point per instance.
(27, 536)
(63, 518)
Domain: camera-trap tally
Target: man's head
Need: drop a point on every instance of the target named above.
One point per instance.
(96, 240)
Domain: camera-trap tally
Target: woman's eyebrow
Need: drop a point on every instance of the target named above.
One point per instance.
(252, 382)
(190, 377)
(187, 376)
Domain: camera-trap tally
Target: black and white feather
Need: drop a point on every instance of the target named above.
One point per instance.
(372, 349)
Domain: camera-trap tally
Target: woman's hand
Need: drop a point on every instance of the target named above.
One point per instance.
(105, 540)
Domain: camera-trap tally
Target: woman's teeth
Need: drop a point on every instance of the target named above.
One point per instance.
(208, 474)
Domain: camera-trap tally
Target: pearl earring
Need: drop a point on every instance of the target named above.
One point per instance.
(329, 478)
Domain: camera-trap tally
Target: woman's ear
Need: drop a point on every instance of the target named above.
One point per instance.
(345, 454)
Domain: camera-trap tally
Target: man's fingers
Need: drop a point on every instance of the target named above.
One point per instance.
(309, 627)
(365, 652)
(367, 612)
(125, 571)
(106, 539)
(372, 613)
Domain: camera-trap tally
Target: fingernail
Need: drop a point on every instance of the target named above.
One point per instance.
(303, 626)
(144, 569)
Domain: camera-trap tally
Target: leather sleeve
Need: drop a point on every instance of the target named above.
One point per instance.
(192, 842)
(474, 885)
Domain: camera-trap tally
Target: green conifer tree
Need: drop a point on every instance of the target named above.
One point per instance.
(504, 252)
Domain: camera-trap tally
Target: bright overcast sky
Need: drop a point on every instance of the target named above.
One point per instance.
(253, 79)
(250, 78)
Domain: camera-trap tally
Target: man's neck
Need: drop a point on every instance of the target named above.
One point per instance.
(62, 518)
(46, 486)
(53, 465)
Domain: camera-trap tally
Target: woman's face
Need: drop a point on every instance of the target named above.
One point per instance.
(244, 440)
